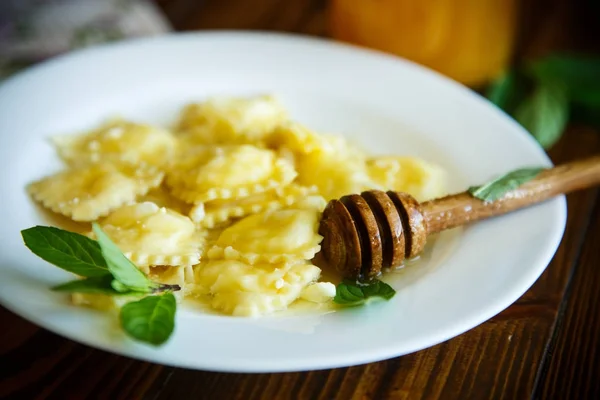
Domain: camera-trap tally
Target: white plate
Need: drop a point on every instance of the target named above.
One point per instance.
(387, 104)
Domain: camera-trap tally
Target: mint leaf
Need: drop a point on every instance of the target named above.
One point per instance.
(350, 293)
(107, 272)
(379, 289)
(509, 90)
(499, 91)
(545, 113)
(67, 250)
(502, 90)
(123, 270)
(100, 284)
(580, 74)
(151, 319)
(119, 287)
(585, 115)
(498, 187)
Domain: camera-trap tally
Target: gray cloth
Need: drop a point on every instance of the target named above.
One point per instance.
(35, 30)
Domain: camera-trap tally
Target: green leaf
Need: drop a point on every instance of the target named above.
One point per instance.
(498, 187)
(67, 250)
(502, 89)
(119, 287)
(589, 98)
(509, 90)
(100, 284)
(499, 91)
(545, 113)
(123, 270)
(379, 289)
(585, 115)
(151, 319)
(579, 73)
(350, 293)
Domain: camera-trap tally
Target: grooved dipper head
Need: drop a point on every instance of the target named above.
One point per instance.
(364, 233)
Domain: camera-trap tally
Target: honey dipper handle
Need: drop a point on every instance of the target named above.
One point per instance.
(462, 208)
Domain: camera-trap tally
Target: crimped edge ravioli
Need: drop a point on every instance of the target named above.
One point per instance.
(153, 179)
(283, 173)
(84, 148)
(188, 249)
(271, 236)
(217, 252)
(281, 197)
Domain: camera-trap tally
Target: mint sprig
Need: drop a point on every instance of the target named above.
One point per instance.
(100, 285)
(545, 94)
(498, 187)
(127, 276)
(350, 293)
(67, 250)
(151, 319)
(106, 270)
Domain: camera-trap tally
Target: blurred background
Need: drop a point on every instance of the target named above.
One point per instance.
(535, 59)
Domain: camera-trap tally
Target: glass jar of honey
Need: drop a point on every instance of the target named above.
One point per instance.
(470, 41)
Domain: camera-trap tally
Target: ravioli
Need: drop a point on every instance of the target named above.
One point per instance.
(297, 139)
(163, 198)
(334, 174)
(232, 120)
(210, 173)
(120, 141)
(329, 162)
(421, 179)
(150, 235)
(272, 236)
(217, 212)
(211, 235)
(237, 288)
(181, 275)
(300, 140)
(94, 190)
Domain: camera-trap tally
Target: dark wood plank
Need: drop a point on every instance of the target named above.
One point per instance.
(574, 360)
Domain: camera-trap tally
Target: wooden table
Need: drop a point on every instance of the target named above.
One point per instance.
(546, 345)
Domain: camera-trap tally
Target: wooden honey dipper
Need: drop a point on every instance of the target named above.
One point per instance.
(364, 233)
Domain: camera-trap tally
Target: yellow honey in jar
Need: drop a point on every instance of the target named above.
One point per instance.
(468, 40)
